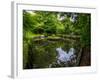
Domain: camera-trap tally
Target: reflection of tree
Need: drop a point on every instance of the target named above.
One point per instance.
(53, 26)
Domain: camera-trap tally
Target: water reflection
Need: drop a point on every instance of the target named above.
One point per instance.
(46, 53)
(64, 57)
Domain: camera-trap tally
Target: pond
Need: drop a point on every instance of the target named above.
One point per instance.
(52, 53)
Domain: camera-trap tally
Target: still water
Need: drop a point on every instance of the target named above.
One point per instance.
(47, 53)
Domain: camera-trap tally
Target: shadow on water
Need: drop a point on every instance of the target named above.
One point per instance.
(42, 52)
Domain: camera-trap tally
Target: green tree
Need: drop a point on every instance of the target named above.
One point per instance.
(83, 27)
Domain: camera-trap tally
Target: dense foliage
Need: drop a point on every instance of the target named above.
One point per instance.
(54, 25)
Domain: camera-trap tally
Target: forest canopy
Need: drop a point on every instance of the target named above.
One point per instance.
(49, 23)
(44, 31)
